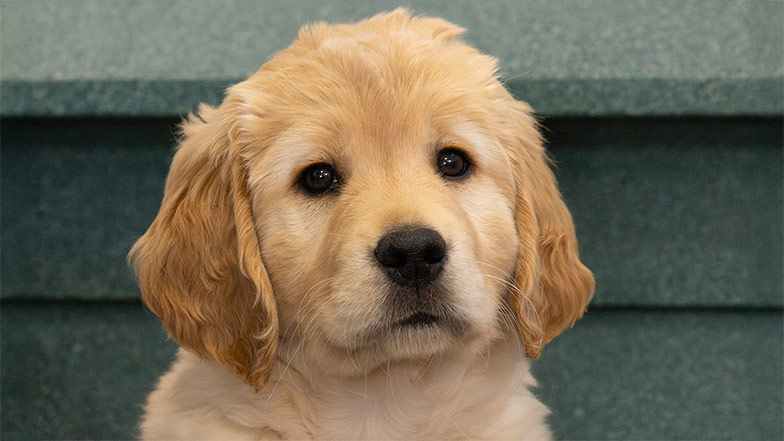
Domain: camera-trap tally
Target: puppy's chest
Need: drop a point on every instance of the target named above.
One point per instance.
(402, 414)
(407, 408)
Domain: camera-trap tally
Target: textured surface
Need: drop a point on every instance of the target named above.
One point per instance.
(679, 213)
(83, 371)
(581, 97)
(94, 39)
(78, 372)
(589, 57)
(75, 198)
(666, 375)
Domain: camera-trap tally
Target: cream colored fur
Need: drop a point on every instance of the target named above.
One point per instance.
(286, 320)
(447, 398)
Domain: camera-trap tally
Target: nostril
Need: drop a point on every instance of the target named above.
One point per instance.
(392, 256)
(434, 252)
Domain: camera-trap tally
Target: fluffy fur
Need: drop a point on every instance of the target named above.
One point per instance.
(284, 317)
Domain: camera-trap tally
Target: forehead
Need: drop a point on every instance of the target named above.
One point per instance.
(374, 79)
(342, 88)
(353, 97)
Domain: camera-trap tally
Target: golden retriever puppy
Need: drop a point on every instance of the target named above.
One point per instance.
(364, 241)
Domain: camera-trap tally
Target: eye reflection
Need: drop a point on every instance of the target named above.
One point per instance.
(318, 178)
(452, 163)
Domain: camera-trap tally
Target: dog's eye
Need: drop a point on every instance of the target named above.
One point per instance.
(318, 178)
(452, 163)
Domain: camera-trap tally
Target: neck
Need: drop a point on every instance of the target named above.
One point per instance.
(401, 395)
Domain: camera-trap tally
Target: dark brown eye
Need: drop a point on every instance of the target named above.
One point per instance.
(453, 164)
(318, 178)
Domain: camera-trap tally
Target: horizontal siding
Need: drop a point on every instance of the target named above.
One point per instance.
(668, 212)
(83, 372)
(600, 57)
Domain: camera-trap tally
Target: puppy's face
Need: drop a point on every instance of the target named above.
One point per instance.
(382, 195)
(387, 225)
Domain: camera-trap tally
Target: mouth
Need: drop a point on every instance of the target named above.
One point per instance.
(413, 334)
(417, 319)
(417, 323)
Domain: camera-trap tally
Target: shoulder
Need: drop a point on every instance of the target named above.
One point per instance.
(198, 400)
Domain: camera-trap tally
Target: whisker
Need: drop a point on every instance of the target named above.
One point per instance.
(505, 80)
(515, 291)
(487, 347)
(424, 387)
(508, 319)
(497, 268)
(518, 291)
(283, 373)
(307, 294)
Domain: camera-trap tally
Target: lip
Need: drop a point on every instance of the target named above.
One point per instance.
(417, 319)
(415, 322)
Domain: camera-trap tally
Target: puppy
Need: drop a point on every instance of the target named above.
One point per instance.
(364, 241)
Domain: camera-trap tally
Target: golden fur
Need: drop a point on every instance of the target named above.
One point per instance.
(248, 272)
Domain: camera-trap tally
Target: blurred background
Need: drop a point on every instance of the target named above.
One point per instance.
(664, 117)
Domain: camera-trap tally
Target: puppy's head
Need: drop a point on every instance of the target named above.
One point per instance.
(373, 192)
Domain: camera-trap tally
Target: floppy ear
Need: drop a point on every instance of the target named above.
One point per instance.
(554, 286)
(199, 265)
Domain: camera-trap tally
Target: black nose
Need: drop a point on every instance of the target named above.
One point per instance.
(412, 256)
